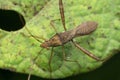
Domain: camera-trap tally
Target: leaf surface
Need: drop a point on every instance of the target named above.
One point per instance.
(21, 53)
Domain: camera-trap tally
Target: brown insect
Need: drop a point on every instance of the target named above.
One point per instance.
(59, 39)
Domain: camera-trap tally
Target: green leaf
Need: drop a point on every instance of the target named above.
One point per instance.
(22, 53)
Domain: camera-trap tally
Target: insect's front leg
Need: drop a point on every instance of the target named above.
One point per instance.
(33, 62)
(52, 24)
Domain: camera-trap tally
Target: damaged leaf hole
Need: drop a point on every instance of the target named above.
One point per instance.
(11, 20)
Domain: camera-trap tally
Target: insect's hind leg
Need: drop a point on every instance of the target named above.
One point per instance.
(86, 51)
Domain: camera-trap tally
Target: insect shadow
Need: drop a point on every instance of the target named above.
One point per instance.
(60, 39)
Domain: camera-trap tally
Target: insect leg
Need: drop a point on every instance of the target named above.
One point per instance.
(51, 55)
(51, 23)
(62, 14)
(86, 51)
(29, 76)
(65, 59)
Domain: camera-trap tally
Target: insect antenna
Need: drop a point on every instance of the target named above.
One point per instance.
(35, 37)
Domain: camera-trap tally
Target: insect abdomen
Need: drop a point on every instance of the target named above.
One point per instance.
(85, 28)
